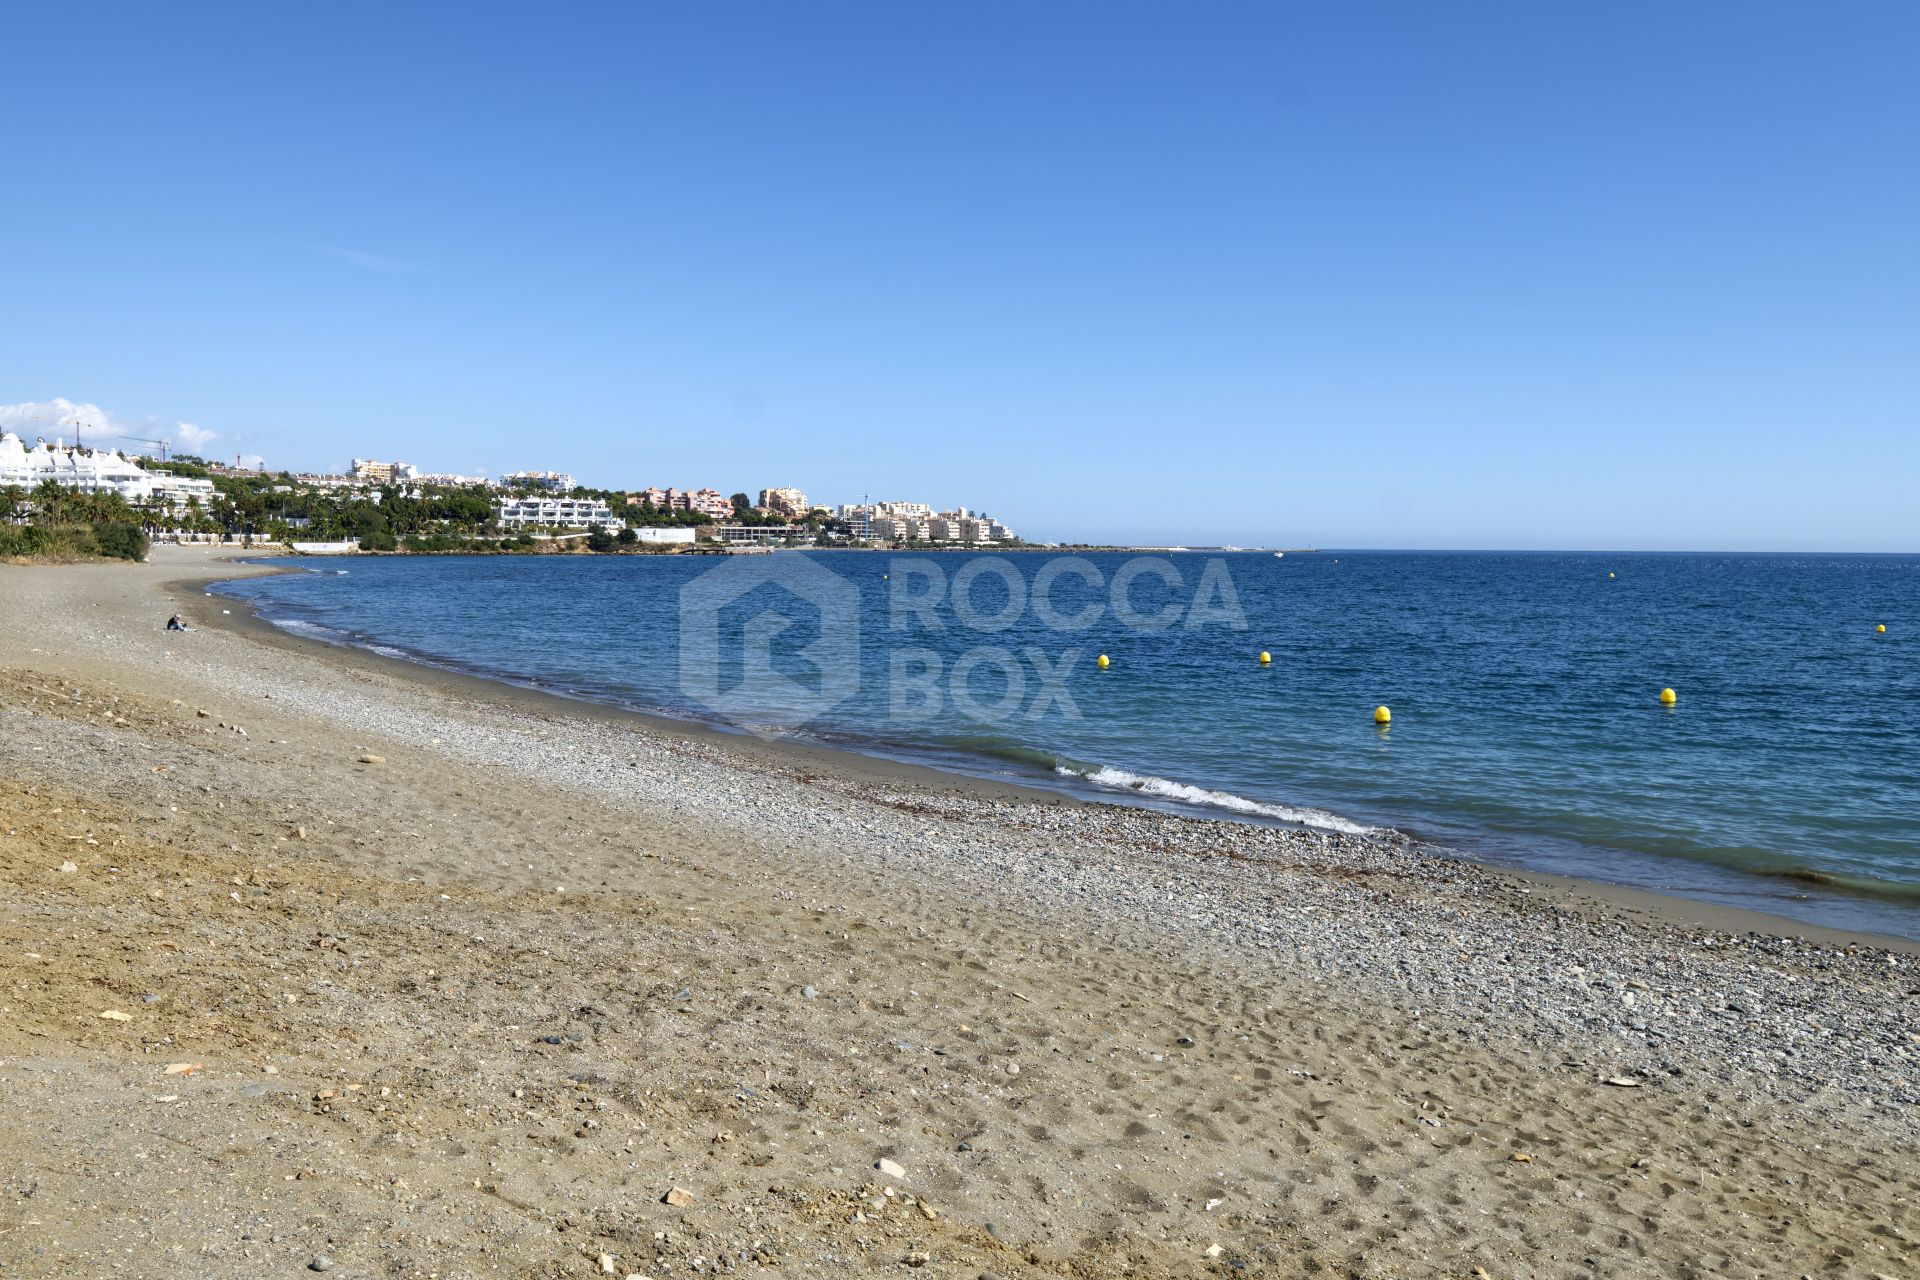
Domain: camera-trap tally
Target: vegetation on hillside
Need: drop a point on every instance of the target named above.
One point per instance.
(278, 508)
(58, 523)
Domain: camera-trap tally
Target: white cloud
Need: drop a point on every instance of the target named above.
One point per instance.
(61, 418)
(192, 437)
(58, 416)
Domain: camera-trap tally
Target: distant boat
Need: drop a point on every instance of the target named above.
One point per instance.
(1279, 555)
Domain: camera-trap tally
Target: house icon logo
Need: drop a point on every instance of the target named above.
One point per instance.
(769, 642)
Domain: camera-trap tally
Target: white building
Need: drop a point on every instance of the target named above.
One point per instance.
(368, 471)
(178, 491)
(891, 528)
(559, 513)
(93, 471)
(88, 470)
(313, 480)
(858, 519)
(551, 481)
(751, 535)
(945, 528)
(964, 526)
(917, 522)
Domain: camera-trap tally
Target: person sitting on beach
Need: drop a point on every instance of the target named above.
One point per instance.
(174, 623)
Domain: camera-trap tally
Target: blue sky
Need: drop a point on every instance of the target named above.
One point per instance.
(1406, 275)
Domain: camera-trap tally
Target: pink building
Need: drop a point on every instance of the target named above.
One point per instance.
(713, 502)
(707, 501)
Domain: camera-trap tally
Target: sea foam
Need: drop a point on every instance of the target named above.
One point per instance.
(1166, 789)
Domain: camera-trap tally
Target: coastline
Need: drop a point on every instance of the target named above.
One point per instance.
(786, 754)
(783, 753)
(471, 976)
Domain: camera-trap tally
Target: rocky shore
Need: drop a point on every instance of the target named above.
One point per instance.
(464, 981)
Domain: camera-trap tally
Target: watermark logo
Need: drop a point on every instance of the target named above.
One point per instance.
(773, 642)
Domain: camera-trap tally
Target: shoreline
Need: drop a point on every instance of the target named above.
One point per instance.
(1671, 908)
(455, 979)
(246, 620)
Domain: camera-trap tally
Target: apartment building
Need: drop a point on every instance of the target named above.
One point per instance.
(368, 471)
(551, 481)
(94, 471)
(558, 513)
(710, 502)
(742, 535)
(917, 522)
(787, 502)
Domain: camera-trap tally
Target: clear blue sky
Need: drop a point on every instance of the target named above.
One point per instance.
(1355, 274)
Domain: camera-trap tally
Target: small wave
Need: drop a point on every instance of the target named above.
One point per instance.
(1841, 882)
(312, 630)
(1004, 749)
(334, 635)
(1163, 788)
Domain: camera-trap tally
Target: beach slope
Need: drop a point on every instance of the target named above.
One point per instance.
(314, 960)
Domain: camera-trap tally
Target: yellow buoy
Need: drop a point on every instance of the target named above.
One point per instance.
(1266, 657)
(1609, 575)
(1881, 629)
(1668, 697)
(1381, 715)
(1101, 662)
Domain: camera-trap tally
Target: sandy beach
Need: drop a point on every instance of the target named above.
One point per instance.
(313, 959)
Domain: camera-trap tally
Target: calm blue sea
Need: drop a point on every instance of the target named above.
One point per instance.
(1526, 722)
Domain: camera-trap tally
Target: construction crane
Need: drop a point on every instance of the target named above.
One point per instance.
(75, 423)
(164, 444)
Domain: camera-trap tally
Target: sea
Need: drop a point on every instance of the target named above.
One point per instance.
(1526, 725)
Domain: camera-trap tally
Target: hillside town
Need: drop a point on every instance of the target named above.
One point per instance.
(395, 506)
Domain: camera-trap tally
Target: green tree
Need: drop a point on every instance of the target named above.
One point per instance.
(121, 541)
(53, 503)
